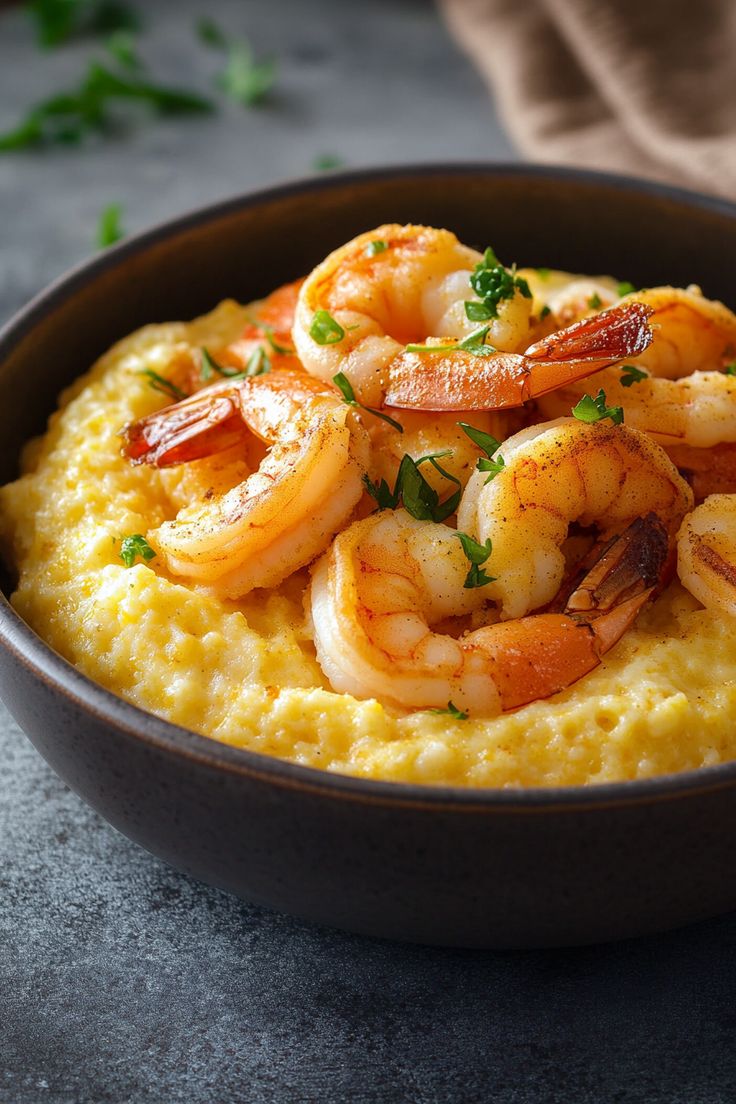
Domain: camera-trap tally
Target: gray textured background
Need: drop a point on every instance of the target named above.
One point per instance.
(121, 980)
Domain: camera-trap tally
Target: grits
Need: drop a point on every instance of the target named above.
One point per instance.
(245, 672)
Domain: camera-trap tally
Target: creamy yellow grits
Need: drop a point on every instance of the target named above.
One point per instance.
(245, 672)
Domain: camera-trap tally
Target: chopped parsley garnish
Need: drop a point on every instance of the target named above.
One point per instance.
(68, 116)
(595, 410)
(625, 287)
(324, 162)
(730, 369)
(489, 446)
(419, 497)
(58, 20)
(493, 283)
(631, 374)
(278, 348)
(258, 363)
(543, 273)
(544, 312)
(133, 546)
(374, 247)
(474, 343)
(451, 711)
(325, 330)
(476, 554)
(165, 386)
(346, 388)
(109, 228)
(595, 302)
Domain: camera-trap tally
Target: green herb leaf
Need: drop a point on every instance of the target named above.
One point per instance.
(245, 79)
(493, 467)
(324, 162)
(730, 369)
(68, 116)
(595, 410)
(476, 554)
(543, 273)
(58, 20)
(258, 364)
(375, 247)
(210, 33)
(121, 45)
(489, 445)
(165, 386)
(208, 365)
(346, 388)
(451, 711)
(281, 350)
(493, 283)
(384, 496)
(325, 330)
(625, 287)
(109, 229)
(474, 343)
(595, 302)
(133, 546)
(544, 312)
(631, 374)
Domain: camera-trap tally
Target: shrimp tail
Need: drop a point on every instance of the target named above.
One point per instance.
(496, 381)
(542, 654)
(198, 426)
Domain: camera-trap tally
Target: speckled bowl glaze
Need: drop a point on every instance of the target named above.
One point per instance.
(473, 868)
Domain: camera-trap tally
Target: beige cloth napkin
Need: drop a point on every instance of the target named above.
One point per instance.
(645, 87)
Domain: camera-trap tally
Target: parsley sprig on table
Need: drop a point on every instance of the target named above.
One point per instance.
(245, 78)
(109, 227)
(68, 116)
(58, 20)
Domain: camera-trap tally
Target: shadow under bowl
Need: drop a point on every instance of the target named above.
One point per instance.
(442, 865)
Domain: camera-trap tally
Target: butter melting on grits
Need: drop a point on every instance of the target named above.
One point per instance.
(245, 672)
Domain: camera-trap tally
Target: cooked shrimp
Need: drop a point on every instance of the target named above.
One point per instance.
(387, 579)
(389, 287)
(281, 516)
(685, 398)
(557, 473)
(706, 553)
(568, 297)
(426, 434)
(459, 380)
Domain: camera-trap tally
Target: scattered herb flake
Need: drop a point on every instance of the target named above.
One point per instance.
(631, 374)
(595, 302)
(730, 369)
(544, 312)
(474, 343)
(133, 546)
(543, 273)
(342, 382)
(278, 348)
(419, 497)
(625, 287)
(476, 554)
(244, 78)
(324, 162)
(109, 228)
(210, 33)
(591, 409)
(258, 364)
(374, 247)
(451, 711)
(489, 445)
(208, 365)
(325, 330)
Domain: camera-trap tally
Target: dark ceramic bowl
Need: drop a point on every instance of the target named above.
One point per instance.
(475, 868)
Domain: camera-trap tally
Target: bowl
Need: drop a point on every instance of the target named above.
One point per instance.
(439, 865)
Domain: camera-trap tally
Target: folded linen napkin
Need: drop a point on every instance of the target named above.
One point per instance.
(646, 87)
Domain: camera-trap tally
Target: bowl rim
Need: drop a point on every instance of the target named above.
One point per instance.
(138, 725)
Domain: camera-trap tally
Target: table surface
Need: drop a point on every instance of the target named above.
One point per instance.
(122, 980)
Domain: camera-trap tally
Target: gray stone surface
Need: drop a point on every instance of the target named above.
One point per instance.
(123, 981)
